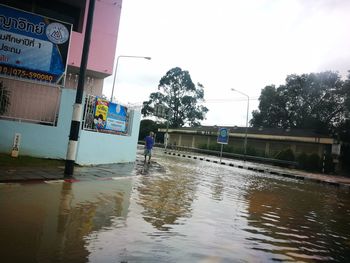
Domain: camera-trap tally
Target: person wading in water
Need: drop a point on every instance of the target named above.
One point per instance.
(149, 142)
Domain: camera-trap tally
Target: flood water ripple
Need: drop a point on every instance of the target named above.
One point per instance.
(179, 210)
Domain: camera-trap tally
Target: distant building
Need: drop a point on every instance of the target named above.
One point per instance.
(265, 141)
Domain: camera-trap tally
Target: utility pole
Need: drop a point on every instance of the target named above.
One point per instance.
(77, 108)
(246, 124)
(166, 138)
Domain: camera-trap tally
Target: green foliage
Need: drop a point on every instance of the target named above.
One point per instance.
(313, 101)
(345, 157)
(318, 101)
(343, 128)
(177, 92)
(310, 162)
(313, 162)
(329, 165)
(286, 154)
(146, 126)
(4, 98)
(346, 94)
(231, 149)
(302, 160)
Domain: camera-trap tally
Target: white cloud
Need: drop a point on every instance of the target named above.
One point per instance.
(226, 44)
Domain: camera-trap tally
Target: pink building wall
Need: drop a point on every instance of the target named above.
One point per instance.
(103, 40)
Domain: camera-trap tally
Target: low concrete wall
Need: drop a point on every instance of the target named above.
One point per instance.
(40, 140)
(102, 148)
(51, 142)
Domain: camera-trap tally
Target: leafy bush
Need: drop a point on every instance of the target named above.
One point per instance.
(146, 126)
(329, 165)
(302, 160)
(286, 155)
(313, 162)
(310, 162)
(231, 149)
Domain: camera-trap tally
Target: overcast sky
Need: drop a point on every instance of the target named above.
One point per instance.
(227, 44)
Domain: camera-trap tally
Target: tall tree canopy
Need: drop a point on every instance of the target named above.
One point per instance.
(344, 127)
(177, 92)
(315, 101)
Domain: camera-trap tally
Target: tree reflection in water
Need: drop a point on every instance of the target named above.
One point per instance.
(166, 199)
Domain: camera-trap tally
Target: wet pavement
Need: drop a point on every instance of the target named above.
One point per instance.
(109, 171)
(175, 210)
(336, 180)
(81, 173)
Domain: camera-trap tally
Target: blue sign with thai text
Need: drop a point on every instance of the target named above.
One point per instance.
(33, 47)
(117, 118)
(223, 135)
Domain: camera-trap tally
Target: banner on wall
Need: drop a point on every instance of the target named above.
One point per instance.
(33, 47)
(101, 111)
(117, 118)
(110, 116)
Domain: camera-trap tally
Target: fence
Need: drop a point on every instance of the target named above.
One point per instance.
(30, 102)
(251, 158)
(112, 122)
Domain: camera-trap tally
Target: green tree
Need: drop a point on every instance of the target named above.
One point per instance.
(4, 98)
(345, 124)
(177, 92)
(146, 126)
(271, 111)
(314, 101)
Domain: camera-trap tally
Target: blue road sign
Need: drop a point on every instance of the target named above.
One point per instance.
(223, 135)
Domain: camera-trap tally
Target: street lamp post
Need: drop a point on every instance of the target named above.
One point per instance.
(169, 113)
(246, 125)
(116, 68)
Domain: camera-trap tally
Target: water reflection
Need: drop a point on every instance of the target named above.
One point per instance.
(50, 223)
(217, 187)
(187, 211)
(298, 224)
(165, 199)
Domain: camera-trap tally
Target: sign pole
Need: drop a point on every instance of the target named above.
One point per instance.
(222, 139)
(77, 108)
(222, 146)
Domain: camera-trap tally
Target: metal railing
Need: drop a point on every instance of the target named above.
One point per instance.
(31, 102)
(229, 155)
(88, 122)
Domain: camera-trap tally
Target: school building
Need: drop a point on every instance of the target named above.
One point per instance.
(39, 112)
(266, 141)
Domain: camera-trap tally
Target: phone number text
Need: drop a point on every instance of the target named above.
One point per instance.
(21, 73)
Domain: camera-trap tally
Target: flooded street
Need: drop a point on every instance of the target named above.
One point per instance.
(177, 210)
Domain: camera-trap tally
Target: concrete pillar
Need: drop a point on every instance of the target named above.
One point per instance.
(208, 142)
(193, 141)
(179, 143)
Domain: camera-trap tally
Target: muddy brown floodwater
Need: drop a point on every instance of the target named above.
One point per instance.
(179, 210)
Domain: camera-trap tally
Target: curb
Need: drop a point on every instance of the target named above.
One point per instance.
(266, 171)
(60, 180)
